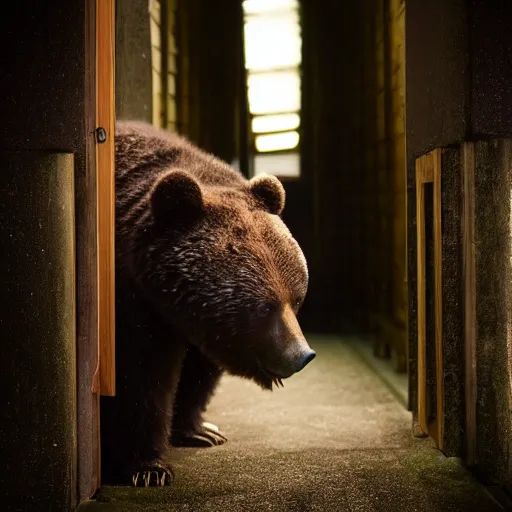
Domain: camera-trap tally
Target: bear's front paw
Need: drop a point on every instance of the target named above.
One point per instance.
(205, 436)
(155, 474)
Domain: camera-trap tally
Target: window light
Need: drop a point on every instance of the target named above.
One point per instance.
(268, 6)
(272, 42)
(277, 141)
(284, 165)
(274, 92)
(275, 123)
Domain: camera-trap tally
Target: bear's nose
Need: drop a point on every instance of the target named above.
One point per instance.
(306, 358)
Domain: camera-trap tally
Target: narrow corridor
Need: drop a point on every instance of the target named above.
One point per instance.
(334, 439)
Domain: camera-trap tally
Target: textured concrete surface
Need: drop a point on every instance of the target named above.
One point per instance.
(493, 304)
(37, 329)
(383, 367)
(335, 438)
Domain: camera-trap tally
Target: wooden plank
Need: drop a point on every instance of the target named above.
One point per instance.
(393, 336)
(105, 118)
(165, 35)
(428, 170)
(468, 230)
(438, 296)
(424, 169)
(422, 313)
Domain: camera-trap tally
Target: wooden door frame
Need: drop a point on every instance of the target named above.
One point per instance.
(428, 170)
(95, 318)
(105, 180)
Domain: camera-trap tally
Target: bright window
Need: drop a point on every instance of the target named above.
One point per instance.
(272, 58)
(277, 141)
(268, 6)
(275, 123)
(278, 38)
(274, 92)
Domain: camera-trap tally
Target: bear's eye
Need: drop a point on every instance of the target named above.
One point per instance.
(266, 308)
(232, 248)
(296, 304)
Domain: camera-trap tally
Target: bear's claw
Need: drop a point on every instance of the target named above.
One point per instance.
(206, 436)
(154, 475)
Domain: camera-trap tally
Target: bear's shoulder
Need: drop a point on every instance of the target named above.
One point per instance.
(142, 145)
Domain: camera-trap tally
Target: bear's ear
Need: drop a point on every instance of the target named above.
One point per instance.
(269, 191)
(176, 200)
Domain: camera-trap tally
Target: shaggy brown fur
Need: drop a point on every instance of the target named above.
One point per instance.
(208, 279)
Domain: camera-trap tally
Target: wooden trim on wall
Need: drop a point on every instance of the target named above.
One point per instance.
(428, 170)
(469, 276)
(165, 27)
(422, 177)
(438, 298)
(105, 168)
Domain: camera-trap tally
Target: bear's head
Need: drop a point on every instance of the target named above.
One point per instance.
(224, 270)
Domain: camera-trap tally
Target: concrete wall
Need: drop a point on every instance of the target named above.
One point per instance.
(134, 79)
(459, 88)
(45, 94)
(38, 438)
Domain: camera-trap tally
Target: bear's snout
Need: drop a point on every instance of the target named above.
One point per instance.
(297, 355)
(294, 351)
(303, 361)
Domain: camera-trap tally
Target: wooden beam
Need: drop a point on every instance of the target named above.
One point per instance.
(438, 297)
(421, 179)
(105, 168)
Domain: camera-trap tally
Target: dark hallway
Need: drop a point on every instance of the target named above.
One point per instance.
(339, 100)
(389, 125)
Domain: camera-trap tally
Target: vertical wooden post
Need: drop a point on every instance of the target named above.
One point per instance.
(423, 175)
(438, 298)
(105, 131)
(428, 170)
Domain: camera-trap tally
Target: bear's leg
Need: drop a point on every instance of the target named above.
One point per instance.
(135, 423)
(199, 378)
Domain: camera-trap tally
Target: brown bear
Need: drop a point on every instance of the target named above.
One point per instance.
(208, 279)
